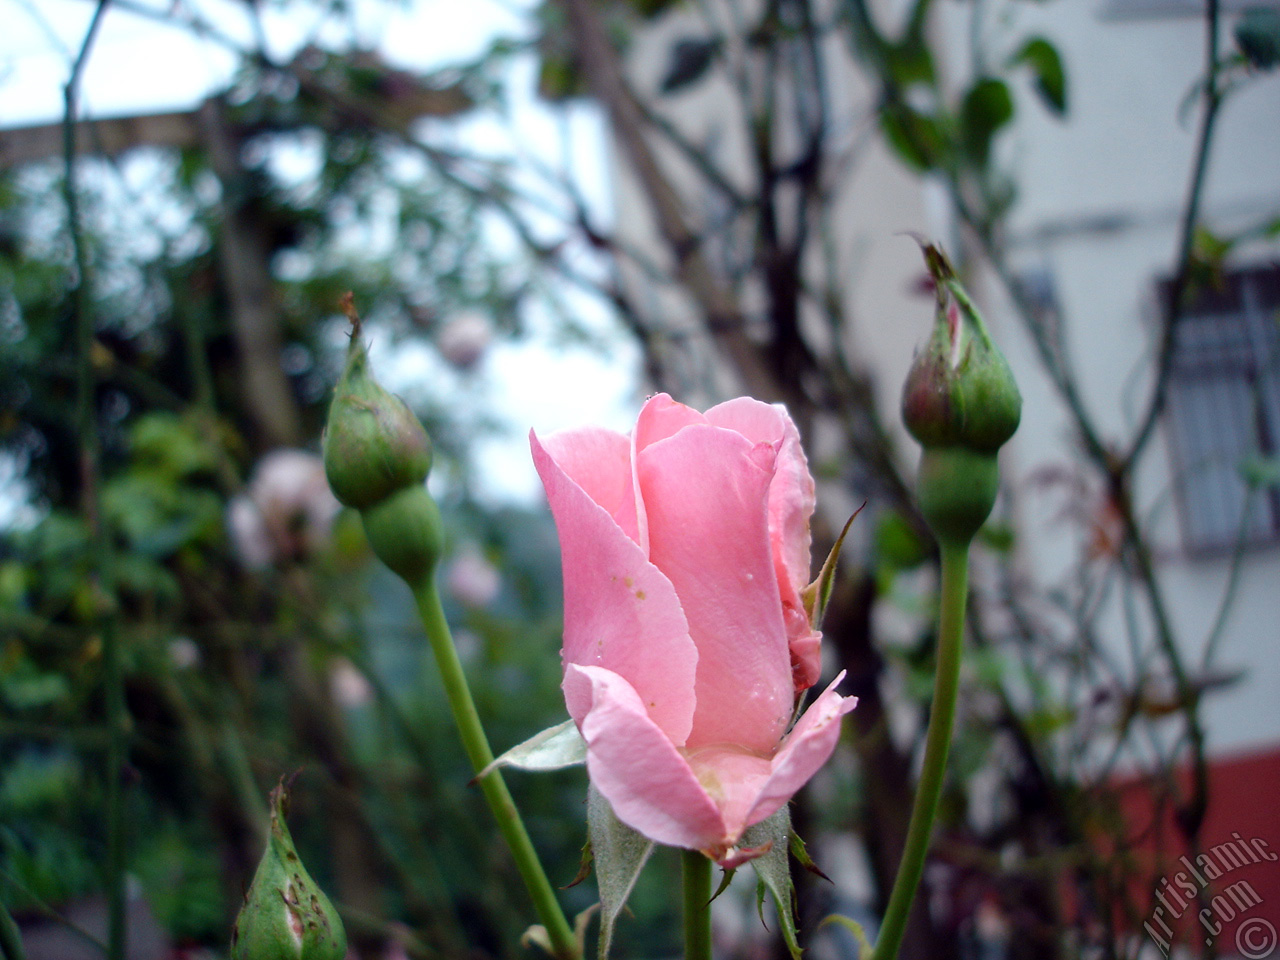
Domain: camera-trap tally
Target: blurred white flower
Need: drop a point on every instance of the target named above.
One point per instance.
(287, 511)
(348, 686)
(472, 579)
(248, 533)
(464, 339)
(184, 653)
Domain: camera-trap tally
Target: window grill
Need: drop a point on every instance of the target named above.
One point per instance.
(1224, 410)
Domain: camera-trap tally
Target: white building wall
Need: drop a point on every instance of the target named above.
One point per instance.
(1100, 196)
(1100, 199)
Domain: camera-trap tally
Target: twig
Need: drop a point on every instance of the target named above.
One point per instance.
(50, 913)
(90, 466)
(1178, 288)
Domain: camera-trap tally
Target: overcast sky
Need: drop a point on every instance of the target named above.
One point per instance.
(138, 64)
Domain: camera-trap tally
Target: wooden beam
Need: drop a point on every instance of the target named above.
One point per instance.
(110, 137)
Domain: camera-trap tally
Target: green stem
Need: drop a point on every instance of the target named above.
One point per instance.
(91, 496)
(696, 870)
(563, 942)
(953, 591)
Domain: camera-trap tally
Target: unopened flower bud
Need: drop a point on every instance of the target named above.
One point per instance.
(374, 445)
(377, 455)
(285, 915)
(961, 402)
(960, 391)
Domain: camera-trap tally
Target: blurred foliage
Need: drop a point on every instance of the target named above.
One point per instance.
(238, 671)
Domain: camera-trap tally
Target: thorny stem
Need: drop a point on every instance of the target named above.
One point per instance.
(564, 944)
(952, 594)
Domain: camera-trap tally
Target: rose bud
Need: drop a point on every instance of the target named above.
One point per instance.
(285, 915)
(961, 402)
(685, 550)
(376, 456)
(374, 445)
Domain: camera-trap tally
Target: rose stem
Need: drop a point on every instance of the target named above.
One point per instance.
(564, 944)
(697, 905)
(952, 593)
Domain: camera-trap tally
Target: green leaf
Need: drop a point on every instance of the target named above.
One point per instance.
(620, 855)
(552, 749)
(1261, 472)
(25, 687)
(987, 666)
(1046, 63)
(916, 137)
(689, 60)
(172, 446)
(999, 537)
(987, 107)
(865, 950)
(1258, 36)
(897, 542)
(910, 62)
(1049, 720)
(560, 78)
(773, 871)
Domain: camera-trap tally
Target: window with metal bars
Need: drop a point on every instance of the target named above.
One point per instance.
(1224, 411)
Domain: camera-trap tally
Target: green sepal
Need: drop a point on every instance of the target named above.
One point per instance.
(620, 854)
(801, 853)
(773, 872)
(285, 915)
(817, 595)
(551, 749)
(725, 880)
(584, 865)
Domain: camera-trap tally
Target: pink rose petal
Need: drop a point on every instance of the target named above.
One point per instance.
(685, 550)
(620, 612)
(705, 491)
(634, 765)
(791, 504)
(599, 461)
(806, 748)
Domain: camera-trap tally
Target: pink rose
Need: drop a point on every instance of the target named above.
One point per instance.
(685, 549)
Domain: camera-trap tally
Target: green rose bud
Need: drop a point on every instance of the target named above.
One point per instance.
(285, 915)
(376, 455)
(960, 390)
(961, 402)
(373, 444)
